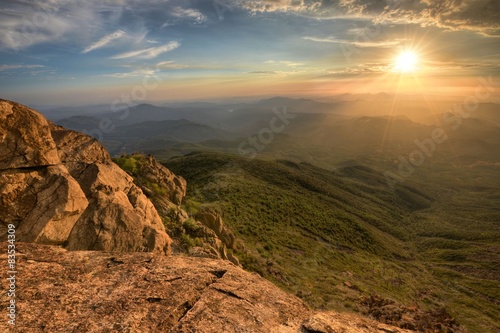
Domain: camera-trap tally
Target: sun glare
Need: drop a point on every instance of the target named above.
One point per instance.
(406, 61)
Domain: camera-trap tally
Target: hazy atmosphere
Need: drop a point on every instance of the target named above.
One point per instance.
(309, 166)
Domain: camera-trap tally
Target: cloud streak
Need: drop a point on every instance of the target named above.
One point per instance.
(132, 74)
(10, 67)
(361, 44)
(104, 41)
(148, 53)
(170, 65)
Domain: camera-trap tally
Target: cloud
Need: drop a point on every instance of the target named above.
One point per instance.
(188, 13)
(279, 74)
(482, 16)
(27, 23)
(10, 67)
(285, 63)
(147, 71)
(170, 65)
(361, 69)
(136, 73)
(476, 15)
(16, 70)
(361, 44)
(263, 72)
(104, 41)
(148, 53)
(19, 29)
(281, 5)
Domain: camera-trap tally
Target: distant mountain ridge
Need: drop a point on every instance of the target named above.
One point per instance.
(369, 125)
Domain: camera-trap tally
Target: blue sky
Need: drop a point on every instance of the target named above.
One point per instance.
(77, 52)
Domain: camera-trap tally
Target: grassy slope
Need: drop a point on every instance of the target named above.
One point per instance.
(458, 239)
(309, 230)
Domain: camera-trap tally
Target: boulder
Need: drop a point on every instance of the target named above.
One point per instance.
(25, 138)
(60, 187)
(44, 204)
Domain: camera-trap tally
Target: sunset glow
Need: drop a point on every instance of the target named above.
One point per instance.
(407, 61)
(204, 50)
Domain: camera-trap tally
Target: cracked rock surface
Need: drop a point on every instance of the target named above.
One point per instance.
(82, 291)
(88, 291)
(60, 187)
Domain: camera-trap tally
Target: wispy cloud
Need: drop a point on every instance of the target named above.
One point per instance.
(381, 44)
(135, 73)
(11, 67)
(27, 70)
(188, 13)
(170, 65)
(361, 69)
(281, 5)
(141, 71)
(263, 72)
(104, 41)
(148, 53)
(27, 23)
(285, 63)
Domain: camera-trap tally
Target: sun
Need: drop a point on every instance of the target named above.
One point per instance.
(407, 61)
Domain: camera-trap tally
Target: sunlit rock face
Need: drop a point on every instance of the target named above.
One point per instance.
(60, 187)
(88, 291)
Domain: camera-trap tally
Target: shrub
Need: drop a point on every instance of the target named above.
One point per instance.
(189, 241)
(191, 226)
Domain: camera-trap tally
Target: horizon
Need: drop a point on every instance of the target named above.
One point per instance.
(339, 98)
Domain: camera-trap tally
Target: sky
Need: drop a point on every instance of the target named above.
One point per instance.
(68, 52)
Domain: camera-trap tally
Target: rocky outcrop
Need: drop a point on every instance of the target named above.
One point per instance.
(213, 221)
(174, 186)
(83, 291)
(217, 238)
(211, 245)
(61, 187)
(206, 230)
(413, 318)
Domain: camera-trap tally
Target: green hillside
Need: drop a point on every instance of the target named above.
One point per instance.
(331, 237)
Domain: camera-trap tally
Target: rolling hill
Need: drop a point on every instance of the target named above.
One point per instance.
(333, 236)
